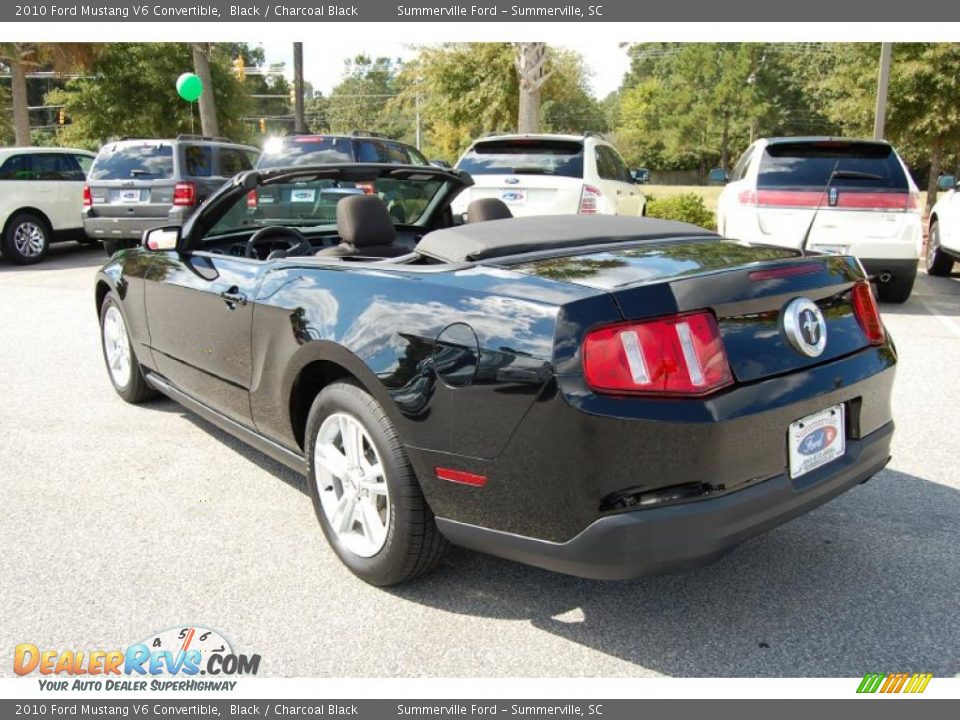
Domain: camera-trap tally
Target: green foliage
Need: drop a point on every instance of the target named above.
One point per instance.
(686, 207)
(6, 116)
(131, 92)
(360, 101)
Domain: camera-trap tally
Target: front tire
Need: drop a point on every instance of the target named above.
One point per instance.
(27, 238)
(938, 262)
(897, 289)
(364, 491)
(124, 370)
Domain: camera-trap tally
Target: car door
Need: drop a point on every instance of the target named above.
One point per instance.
(948, 213)
(200, 310)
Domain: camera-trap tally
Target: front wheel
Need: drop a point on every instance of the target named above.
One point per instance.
(937, 262)
(122, 366)
(364, 491)
(26, 239)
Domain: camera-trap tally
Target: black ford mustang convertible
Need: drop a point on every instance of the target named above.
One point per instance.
(601, 396)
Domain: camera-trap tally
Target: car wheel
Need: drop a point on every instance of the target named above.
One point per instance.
(122, 365)
(26, 239)
(364, 491)
(937, 261)
(897, 289)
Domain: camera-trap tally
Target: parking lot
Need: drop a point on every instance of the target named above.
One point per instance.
(120, 520)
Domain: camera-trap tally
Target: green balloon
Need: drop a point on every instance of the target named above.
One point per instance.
(190, 87)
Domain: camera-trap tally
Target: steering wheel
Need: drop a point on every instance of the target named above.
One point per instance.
(297, 242)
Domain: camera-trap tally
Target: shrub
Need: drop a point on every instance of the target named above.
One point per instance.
(686, 207)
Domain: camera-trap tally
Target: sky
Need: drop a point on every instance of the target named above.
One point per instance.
(323, 62)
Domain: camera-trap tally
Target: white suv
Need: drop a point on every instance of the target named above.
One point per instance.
(865, 201)
(41, 196)
(550, 175)
(943, 245)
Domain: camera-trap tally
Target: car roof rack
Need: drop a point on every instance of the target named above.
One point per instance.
(368, 133)
(213, 138)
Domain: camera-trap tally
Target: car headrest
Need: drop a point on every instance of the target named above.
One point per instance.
(363, 220)
(487, 209)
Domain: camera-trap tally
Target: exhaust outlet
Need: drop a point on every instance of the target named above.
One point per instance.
(884, 277)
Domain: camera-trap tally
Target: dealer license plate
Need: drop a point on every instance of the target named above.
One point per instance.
(303, 195)
(130, 196)
(512, 196)
(816, 440)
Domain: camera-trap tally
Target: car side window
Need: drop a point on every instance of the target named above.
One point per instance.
(610, 166)
(16, 167)
(740, 169)
(198, 160)
(417, 158)
(233, 161)
(369, 151)
(85, 162)
(397, 154)
(620, 167)
(54, 166)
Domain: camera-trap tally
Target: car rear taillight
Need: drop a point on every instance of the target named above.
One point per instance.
(252, 199)
(747, 198)
(865, 308)
(184, 194)
(368, 187)
(890, 201)
(677, 355)
(588, 200)
(87, 196)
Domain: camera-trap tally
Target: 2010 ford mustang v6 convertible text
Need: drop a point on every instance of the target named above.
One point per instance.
(602, 396)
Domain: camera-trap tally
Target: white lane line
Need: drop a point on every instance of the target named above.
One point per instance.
(948, 322)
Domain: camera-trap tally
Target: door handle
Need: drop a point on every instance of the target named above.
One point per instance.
(234, 297)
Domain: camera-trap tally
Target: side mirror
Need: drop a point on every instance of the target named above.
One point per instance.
(718, 176)
(161, 239)
(946, 182)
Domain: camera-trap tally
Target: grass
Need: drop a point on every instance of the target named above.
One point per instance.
(709, 193)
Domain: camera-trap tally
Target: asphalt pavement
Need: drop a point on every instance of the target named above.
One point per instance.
(119, 521)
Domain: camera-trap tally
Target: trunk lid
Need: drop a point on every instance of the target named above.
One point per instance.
(734, 281)
(526, 194)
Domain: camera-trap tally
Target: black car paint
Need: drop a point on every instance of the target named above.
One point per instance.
(512, 404)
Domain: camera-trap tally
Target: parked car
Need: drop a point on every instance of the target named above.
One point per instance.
(943, 238)
(140, 183)
(550, 174)
(601, 396)
(295, 149)
(40, 194)
(858, 195)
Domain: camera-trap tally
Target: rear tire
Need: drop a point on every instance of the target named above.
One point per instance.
(897, 289)
(364, 491)
(938, 262)
(26, 239)
(124, 370)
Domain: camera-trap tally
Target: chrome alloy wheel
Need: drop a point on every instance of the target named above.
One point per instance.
(29, 239)
(352, 485)
(116, 346)
(933, 245)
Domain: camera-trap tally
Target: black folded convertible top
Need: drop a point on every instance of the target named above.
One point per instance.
(500, 238)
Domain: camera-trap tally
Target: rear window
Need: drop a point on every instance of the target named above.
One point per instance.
(525, 157)
(147, 161)
(197, 160)
(809, 165)
(308, 150)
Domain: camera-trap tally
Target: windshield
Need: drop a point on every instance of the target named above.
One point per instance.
(809, 165)
(309, 203)
(525, 157)
(307, 150)
(147, 161)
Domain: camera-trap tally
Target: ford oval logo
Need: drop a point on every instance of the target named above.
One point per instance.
(512, 181)
(512, 196)
(818, 440)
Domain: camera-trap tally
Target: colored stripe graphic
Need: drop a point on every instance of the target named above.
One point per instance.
(894, 683)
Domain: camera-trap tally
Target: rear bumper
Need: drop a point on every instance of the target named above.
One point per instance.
(658, 540)
(120, 228)
(898, 268)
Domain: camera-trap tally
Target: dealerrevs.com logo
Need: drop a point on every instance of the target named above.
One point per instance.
(183, 653)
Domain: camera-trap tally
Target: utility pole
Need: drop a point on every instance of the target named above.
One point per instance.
(418, 119)
(299, 122)
(883, 81)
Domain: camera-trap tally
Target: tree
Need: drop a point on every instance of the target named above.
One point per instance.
(131, 91)
(361, 100)
(532, 73)
(568, 104)
(21, 57)
(207, 103)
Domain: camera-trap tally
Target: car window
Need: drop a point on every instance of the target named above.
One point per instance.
(16, 167)
(397, 154)
(809, 165)
(85, 162)
(525, 156)
(418, 158)
(233, 161)
(740, 169)
(197, 160)
(307, 150)
(610, 166)
(146, 161)
(371, 151)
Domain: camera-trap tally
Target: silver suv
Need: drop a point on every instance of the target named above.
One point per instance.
(137, 184)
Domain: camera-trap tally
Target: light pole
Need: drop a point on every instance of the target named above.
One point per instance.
(299, 123)
(883, 81)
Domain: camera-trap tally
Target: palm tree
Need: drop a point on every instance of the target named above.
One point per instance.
(532, 69)
(21, 57)
(208, 106)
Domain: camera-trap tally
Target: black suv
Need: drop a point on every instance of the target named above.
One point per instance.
(137, 184)
(321, 149)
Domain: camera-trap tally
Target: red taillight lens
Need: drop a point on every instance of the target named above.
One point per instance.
(589, 198)
(678, 355)
(865, 308)
(747, 198)
(87, 196)
(368, 187)
(184, 194)
(252, 199)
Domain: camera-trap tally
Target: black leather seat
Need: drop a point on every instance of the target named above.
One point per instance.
(365, 228)
(487, 209)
